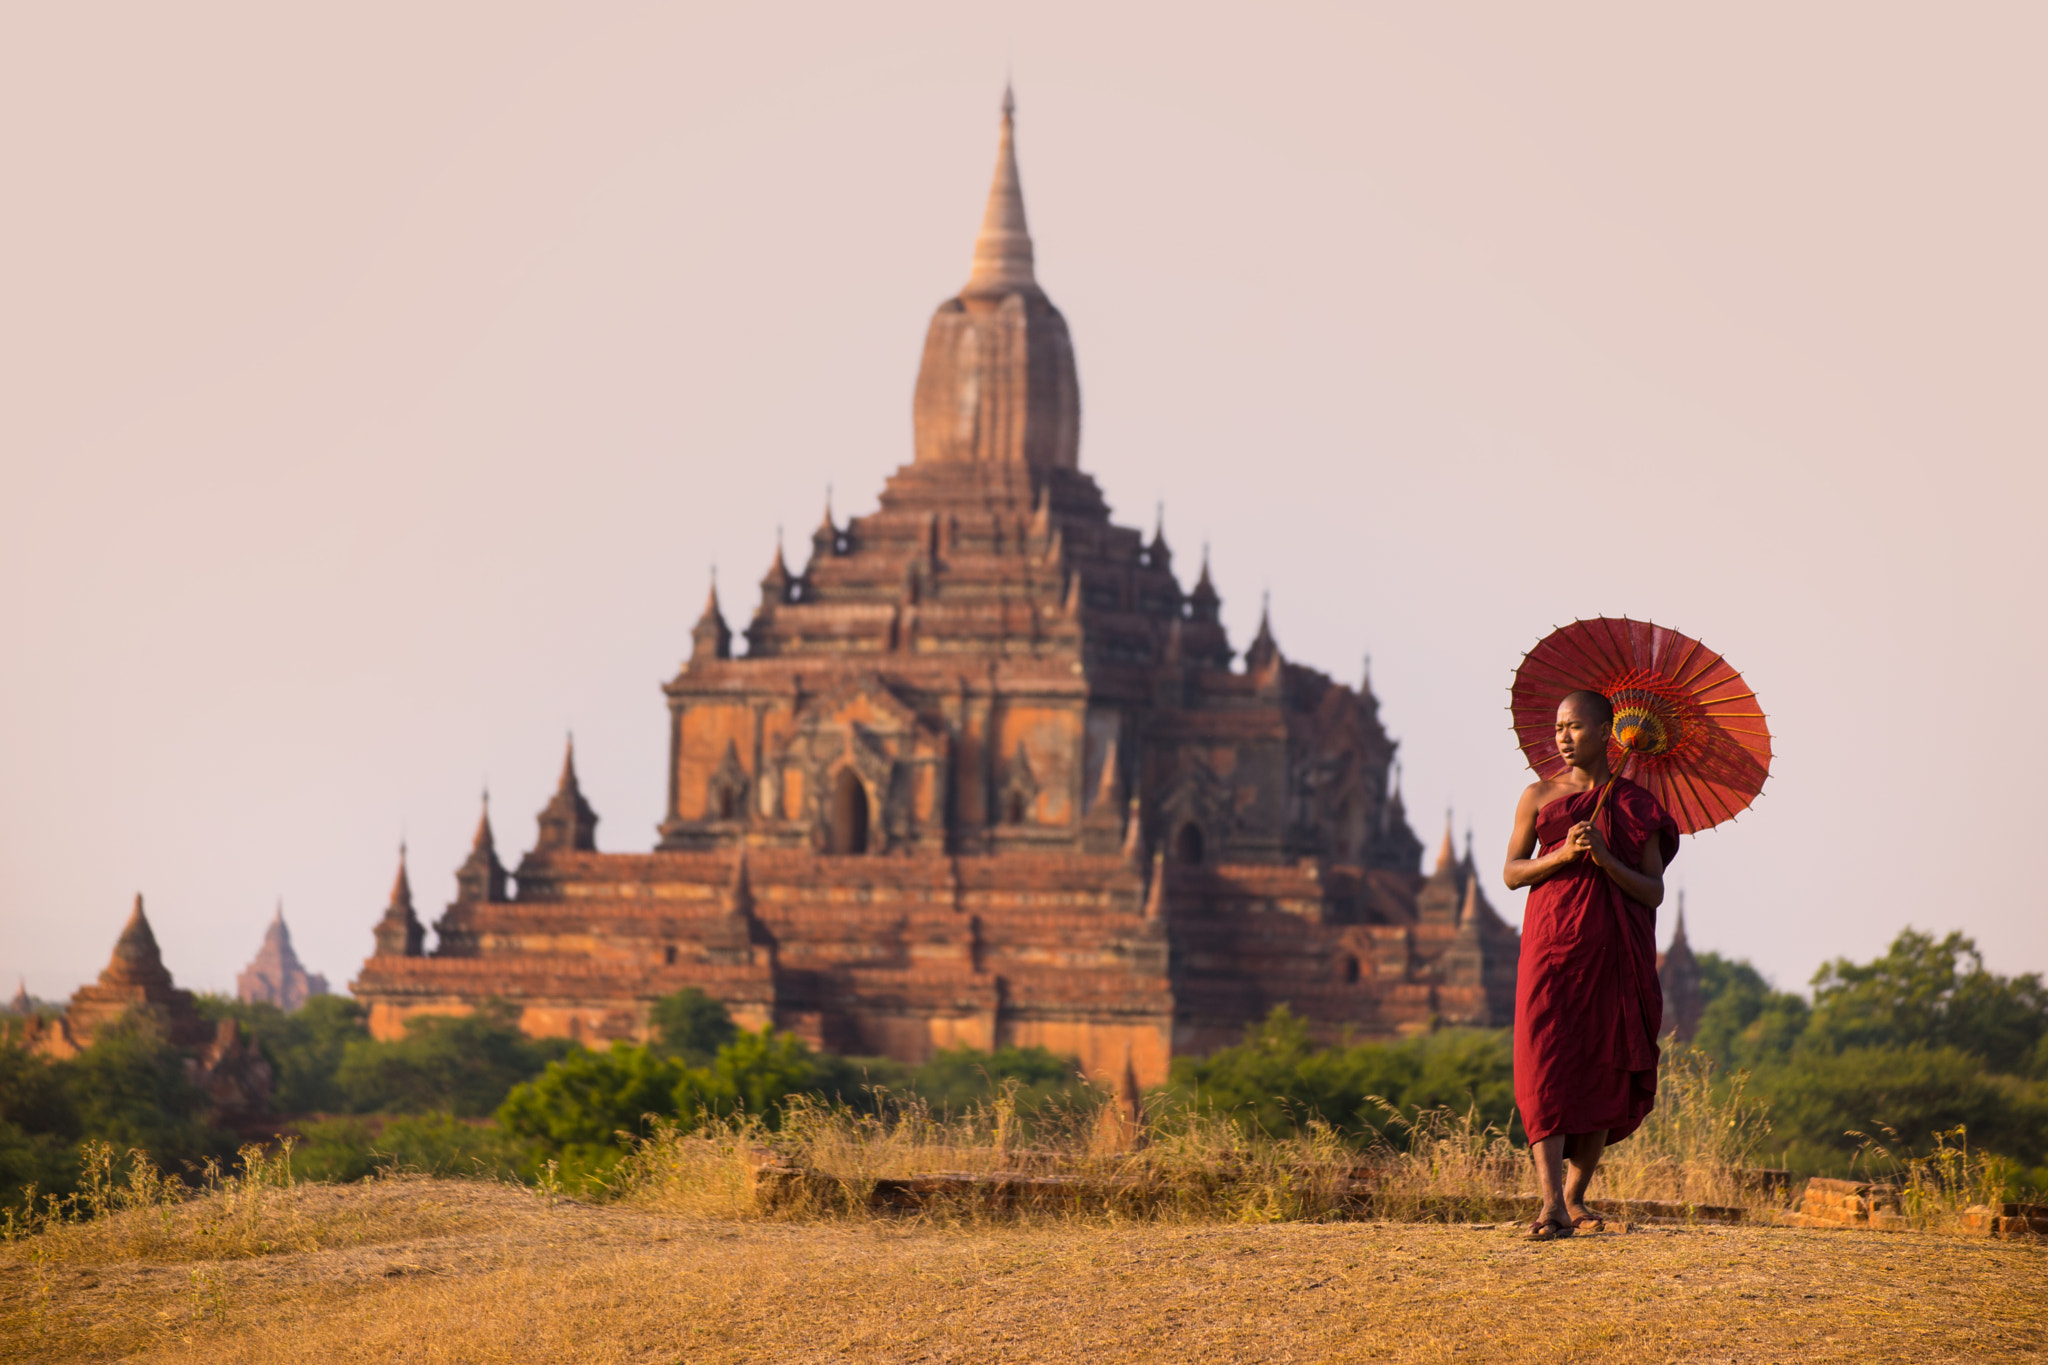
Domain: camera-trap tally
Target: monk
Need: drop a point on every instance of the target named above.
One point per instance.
(1588, 1007)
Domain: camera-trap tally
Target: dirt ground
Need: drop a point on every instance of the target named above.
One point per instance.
(451, 1271)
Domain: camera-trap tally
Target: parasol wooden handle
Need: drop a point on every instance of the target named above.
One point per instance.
(1612, 778)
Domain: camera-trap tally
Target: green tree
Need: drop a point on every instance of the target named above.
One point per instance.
(459, 1064)
(1746, 1021)
(1818, 1100)
(691, 1026)
(1931, 993)
(305, 1047)
(32, 1093)
(38, 1125)
(130, 1088)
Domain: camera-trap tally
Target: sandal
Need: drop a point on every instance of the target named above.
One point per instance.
(1592, 1222)
(1547, 1230)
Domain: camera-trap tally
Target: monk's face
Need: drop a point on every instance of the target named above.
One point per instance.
(1581, 739)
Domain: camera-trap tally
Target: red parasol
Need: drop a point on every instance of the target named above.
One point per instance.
(1687, 728)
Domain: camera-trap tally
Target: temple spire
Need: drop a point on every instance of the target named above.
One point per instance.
(481, 876)
(400, 933)
(739, 891)
(1134, 835)
(401, 885)
(1155, 894)
(775, 583)
(997, 385)
(1109, 791)
(484, 841)
(711, 638)
(136, 960)
(1002, 250)
(1203, 602)
(825, 540)
(1263, 651)
(567, 823)
(1157, 555)
(1447, 854)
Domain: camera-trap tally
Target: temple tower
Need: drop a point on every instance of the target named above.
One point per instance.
(997, 384)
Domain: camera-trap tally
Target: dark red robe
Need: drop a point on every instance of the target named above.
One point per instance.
(1587, 1003)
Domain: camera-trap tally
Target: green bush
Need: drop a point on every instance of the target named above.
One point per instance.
(1277, 1078)
(956, 1079)
(576, 1109)
(352, 1148)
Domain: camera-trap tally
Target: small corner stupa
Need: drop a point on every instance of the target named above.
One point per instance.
(134, 978)
(276, 976)
(219, 1058)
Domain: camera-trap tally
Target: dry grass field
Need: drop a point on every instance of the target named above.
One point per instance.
(410, 1269)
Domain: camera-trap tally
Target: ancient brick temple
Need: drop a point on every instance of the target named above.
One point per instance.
(275, 976)
(984, 774)
(225, 1063)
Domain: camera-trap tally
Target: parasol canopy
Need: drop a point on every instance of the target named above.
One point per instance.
(1687, 728)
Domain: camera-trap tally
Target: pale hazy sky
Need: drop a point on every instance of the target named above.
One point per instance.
(376, 388)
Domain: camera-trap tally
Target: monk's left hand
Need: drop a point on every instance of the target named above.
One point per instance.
(1596, 844)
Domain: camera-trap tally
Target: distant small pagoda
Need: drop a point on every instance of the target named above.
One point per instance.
(276, 976)
(219, 1058)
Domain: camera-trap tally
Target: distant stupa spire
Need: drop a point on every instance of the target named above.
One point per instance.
(276, 976)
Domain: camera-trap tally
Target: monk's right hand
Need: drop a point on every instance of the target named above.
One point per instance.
(1578, 841)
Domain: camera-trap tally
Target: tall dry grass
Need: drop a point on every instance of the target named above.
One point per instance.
(128, 1209)
(831, 1160)
(1937, 1190)
(1189, 1162)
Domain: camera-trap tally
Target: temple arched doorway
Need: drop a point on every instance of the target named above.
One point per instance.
(849, 813)
(1187, 845)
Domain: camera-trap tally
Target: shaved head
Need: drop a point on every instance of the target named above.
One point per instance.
(1591, 705)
